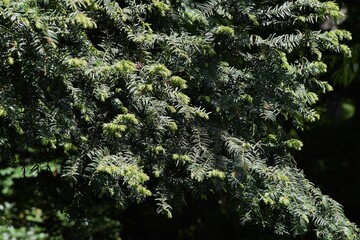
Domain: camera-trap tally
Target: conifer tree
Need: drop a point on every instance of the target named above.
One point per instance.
(106, 103)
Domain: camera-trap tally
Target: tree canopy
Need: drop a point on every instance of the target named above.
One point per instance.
(106, 103)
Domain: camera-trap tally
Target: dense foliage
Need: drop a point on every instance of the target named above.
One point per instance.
(332, 165)
(108, 103)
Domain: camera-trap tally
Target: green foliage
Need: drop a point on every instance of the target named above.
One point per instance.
(294, 143)
(146, 101)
